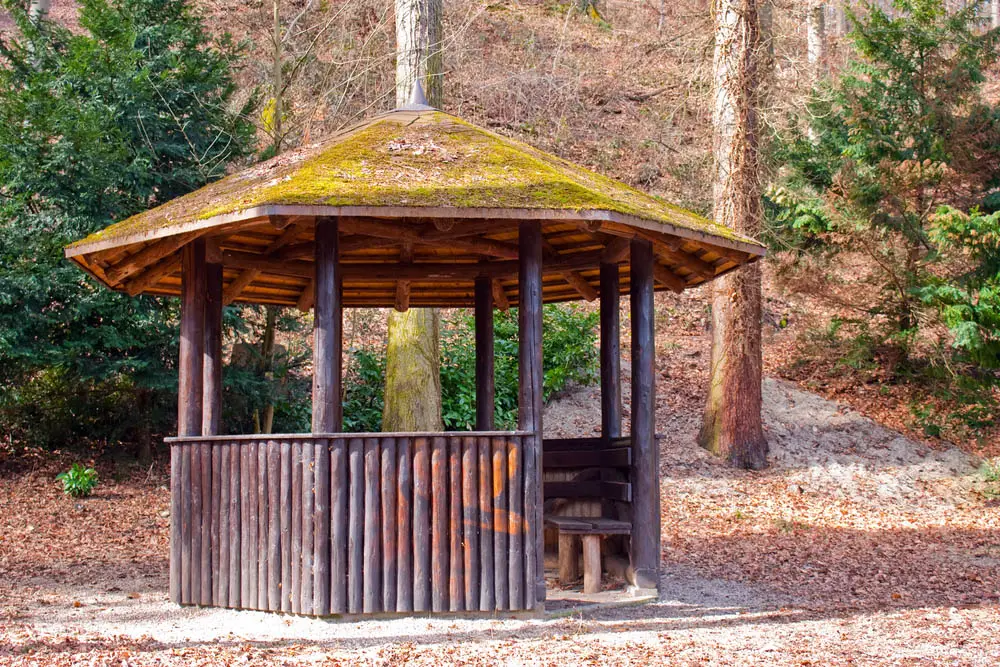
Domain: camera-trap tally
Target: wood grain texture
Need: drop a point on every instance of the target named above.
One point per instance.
(321, 528)
(389, 534)
(487, 597)
(356, 527)
(404, 525)
(501, 528)
(306, 593)
(456, 566)
(645, 542)
(422, 541)
(470, 521)
(274, 497)
(440, 556)
(185, 521)
(215, 453)
(296, 546)
(192, 342)
(263, 525)
(339, 487)
(372, 578)
(177, 490)
(212, 361)
(235, 524)
(285, 462)
(611, 372)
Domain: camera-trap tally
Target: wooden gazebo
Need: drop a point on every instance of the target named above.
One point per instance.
(412, 208)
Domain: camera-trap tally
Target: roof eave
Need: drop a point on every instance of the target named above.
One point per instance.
(273, 210)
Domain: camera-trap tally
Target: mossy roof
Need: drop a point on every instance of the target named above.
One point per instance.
(413, 160)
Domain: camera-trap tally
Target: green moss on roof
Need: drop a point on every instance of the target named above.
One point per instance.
(412, 159)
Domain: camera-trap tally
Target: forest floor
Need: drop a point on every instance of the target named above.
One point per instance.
(858, 545)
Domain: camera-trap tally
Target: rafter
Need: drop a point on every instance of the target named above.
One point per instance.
(668, 278)
(148, 256)
(247, 276)
(499, 295)
(153, 274)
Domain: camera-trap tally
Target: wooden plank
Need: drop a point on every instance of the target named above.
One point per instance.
(274, 497)
(211, 420)
(196, 516)
(321, 529)
(594, 458)
(596, 489)
(149, 255)
(389, 536)
(485, 371)
(528, 480)
(645, 542)
(176, 534)
(250, 565)
(422, 542)
(611, 372)
(263, 525)
(215, 533)
(306, 592)
(372, 581)
(192, 343)
(439, 524)
(244, 523)
(296, 550)
(456, 580)
(487, 598)
(285, 463)
(339, 507)
(499, 295)
(224, 482)
(205, 565)
(356, 527)
(667, 278)
(591, 564)
(583, 444)
(470, 520)
(404, 525)
(186, 525)
(515, 525)
(501, 531)
(326, 378)
(235, 525)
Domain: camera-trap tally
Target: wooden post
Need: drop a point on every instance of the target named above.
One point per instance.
(485, 392)
(211, 420)
(611, 384)
(326, 332)
(530, 406)
(189, 419)
(591, 564)
(193, 288)
(645, 541)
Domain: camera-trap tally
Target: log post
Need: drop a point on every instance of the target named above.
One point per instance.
(611, 376)
(189, 397)
(326, 332)
(485, 391)
(189, 416)
(530, 406)
(645, 541)
(211, 420)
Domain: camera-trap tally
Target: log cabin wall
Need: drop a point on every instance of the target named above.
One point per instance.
(395, 523)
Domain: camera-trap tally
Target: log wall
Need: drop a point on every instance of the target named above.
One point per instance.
(352, 524)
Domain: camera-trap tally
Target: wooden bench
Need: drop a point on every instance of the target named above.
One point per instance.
(589, 530)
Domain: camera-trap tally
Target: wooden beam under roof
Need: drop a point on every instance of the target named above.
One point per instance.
(153, 274)
(148, 256)
(247, 276)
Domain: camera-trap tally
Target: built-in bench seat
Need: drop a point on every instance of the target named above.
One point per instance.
(589, 531)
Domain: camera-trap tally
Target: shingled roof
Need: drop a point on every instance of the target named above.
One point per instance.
(419, 185)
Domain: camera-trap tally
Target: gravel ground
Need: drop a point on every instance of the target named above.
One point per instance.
(857, 546)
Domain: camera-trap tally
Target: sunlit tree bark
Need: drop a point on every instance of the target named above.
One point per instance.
(413, 380)
(732, 421)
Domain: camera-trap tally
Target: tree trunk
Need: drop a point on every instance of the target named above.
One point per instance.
(38, 10)
(995, 13)
(413, 364)
(816, 39)
(412, 379)
(732, 422)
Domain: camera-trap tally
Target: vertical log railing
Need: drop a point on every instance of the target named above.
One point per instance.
(395, 523)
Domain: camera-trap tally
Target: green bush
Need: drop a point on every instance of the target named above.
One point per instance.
(569, 356)
(78, 481)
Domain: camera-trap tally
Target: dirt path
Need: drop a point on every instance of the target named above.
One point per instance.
(858, 546)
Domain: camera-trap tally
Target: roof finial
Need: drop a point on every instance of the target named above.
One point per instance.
(418, 100)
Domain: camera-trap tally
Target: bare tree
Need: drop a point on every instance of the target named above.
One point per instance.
(412, 378)
(39, 9)
(732, 423)
(816, 39)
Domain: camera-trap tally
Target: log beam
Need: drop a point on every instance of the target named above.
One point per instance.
(611, 372)
(211, 421)
(668, 278)
(500, 295)
(327, 322)
(530, 409)
(192, 344)
(153, 274)
(485, 389)
(645, 541)
(146, 257)
(247, 276)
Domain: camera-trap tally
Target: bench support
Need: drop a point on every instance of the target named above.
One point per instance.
(591, 563)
